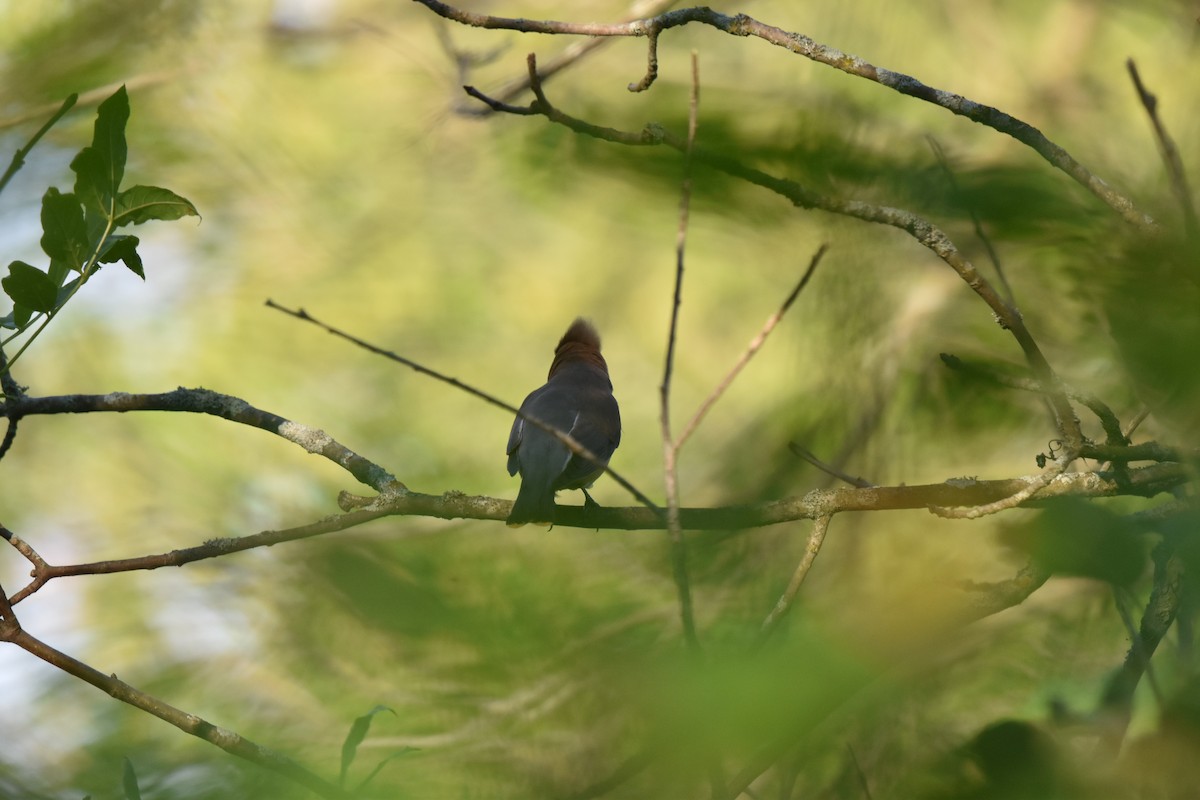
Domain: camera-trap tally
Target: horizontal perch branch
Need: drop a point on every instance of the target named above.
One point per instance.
(963, 492)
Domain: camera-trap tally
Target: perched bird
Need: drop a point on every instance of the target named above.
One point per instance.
(577, 400)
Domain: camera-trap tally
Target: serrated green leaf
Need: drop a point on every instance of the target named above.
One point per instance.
(64, 234)
(100, 167)
(130, 782)
(143, 203)
(123, 248)
(29, 286)
(358, 732)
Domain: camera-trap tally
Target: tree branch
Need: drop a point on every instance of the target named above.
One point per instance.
(670, 451)
(751, 349)
(44, 572)
(958, 492)
(568, 442)
(743, 25)
(206, 401)
(1170, 155)
(227, 740)
(927, 234)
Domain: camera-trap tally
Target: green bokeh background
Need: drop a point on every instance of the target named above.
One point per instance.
(321, 144)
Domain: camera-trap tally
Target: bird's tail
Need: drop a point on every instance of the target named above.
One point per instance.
(531, 505)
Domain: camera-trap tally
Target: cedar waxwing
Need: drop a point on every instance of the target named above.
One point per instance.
(577, 400)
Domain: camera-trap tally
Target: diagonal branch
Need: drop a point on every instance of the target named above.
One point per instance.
(785, 601)
(1170, 154)
(743, 25)
(567, 441)
(919, 228)
(229, 741)
(751, 349)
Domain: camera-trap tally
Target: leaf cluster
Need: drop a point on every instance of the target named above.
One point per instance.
(80, 229)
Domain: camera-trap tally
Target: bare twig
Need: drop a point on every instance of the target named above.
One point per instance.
(811, 549)
(572, 445)
(1012, 501)
(1108, 419)
(919, 228)
(755, 345)
(1160, 612)
(571, 55)
(92, 96)
(743, 25)
(670, 451)
(980, 234)
(1170, 155)
(44, 572)
(828, 469)
(18, 159)
(227, 740)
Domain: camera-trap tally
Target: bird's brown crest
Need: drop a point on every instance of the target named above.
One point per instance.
(579, 343)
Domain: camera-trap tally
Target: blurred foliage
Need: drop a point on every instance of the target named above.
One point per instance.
(321, 141)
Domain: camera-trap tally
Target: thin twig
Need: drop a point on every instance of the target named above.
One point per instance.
(1170, 155)
(570, 56)
(743, 25)
(1108, 419)
(229, 741)
(44, 572)
(572, 445)
(751, 349)
(18, 159)
(1166, 597)
(93, 96)
(670, 452)
(828, 469)
(980, 234)
(1123, 599)
(784, 604)
(1017, 498)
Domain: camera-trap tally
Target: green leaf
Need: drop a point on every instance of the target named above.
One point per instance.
(358, 732)
(123, 248)
(60, 269)
(16, 319)
(130, 782)
(30, 287)
(142, 203)
(100, 167)
(64, 234)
